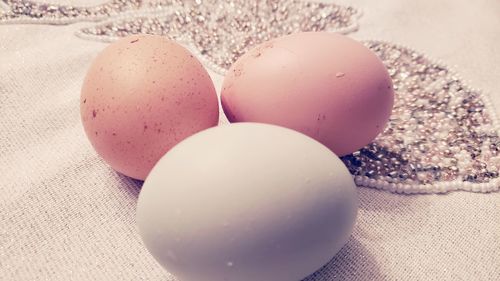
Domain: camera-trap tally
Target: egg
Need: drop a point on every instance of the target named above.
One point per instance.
(142, 95)
(325, 85)
(246, 202)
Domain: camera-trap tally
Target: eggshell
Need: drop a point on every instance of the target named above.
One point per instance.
(246, 202)
(325, 85)
(141, 96)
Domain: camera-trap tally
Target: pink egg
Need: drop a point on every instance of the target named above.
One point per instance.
(142, 95)
(324, 85)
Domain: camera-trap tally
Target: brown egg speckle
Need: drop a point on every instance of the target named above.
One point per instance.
(140, 85)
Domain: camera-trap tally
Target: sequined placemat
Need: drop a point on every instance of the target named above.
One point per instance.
(20, 11)
(221, 31)
(442, 135)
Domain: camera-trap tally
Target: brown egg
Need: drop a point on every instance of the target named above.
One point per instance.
(142, 95)
(325, 85)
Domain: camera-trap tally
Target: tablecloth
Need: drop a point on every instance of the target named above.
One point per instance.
(66, 215)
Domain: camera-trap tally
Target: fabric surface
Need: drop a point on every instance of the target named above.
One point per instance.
(65, 215)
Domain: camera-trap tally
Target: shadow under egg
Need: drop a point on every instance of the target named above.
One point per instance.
(352, 262)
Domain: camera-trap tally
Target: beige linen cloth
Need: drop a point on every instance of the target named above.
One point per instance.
(65, 215)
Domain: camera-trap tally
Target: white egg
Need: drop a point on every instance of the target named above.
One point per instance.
(246, 201)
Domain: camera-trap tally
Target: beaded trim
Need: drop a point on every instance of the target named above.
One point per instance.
(31, 12)
(442, 135)
(220, 37)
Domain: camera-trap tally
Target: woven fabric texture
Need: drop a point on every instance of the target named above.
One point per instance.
(65, 215)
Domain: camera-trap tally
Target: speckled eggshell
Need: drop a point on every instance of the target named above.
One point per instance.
(142, 95)
(325, 85)
(246, 202)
